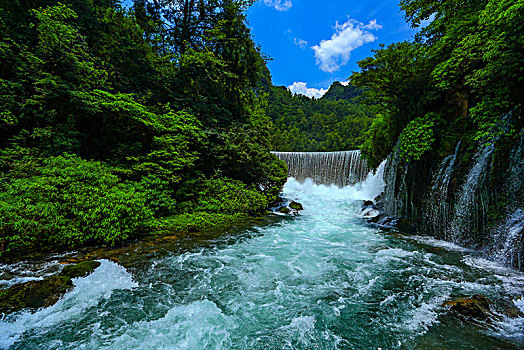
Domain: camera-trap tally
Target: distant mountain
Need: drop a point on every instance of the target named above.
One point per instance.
(337, 92)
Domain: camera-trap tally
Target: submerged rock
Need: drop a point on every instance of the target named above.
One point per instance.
(43, 293)
(477, 306)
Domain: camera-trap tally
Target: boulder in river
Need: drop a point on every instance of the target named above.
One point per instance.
(284, 210)
(477, 306)
(45, 292)
(34, 294)
(296, 206)
(369, 211)
(290, 208)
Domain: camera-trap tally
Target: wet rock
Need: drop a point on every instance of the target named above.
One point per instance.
(510, 309)
(284, 210)
(477, 306)
(34, 294)
(296, 206)
(80, 270)
(43, 293)
(369, 211)
(368, 204)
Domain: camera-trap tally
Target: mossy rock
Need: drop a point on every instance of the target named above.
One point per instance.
(476, 306)
(284, 210)
(296, 206)
(80, 270)
(34, 294)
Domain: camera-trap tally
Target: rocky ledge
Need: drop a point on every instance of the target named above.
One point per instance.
(43, 293)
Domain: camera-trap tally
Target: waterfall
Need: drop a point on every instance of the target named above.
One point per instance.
(340, 168)
(438, 204)
(507, 238)
(470, 212)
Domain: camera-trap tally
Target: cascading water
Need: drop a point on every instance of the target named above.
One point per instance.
(470, 209)
(438, 204)
(338, 168)
(507, 239)
(472, 201)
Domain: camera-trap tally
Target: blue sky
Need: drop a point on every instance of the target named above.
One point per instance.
(313, 43)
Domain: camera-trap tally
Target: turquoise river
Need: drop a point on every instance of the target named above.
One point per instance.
(319, 280)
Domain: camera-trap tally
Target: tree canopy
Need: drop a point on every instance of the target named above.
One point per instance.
(116, 120)
(462, 74)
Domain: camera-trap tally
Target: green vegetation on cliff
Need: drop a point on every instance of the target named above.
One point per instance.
(114, 122)
(461, 78)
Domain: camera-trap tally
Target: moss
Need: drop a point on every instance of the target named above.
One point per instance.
(284, 210)
(296, 206)
(80, 270)
(34, 294)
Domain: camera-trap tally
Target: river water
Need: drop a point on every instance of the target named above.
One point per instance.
(319, 280)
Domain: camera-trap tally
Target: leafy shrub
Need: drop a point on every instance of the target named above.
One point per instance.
(69, 202)
(417, 138)
(229, 196)
(196, 222)
(378, 141)
(159, 196)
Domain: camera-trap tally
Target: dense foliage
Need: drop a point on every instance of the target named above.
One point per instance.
(116, 121)
(334, 122)
(461, 78)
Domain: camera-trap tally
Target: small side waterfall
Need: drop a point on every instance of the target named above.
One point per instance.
(507, 238)
(472, 199)
(470, 213)
(438, 205)
(340, 168)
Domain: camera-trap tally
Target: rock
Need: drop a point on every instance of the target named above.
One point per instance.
(296, 206)
(510, 309)
(43, 293)
(369, 213)
(284, 210)
(34, 294)
(380, 205)
(80, 270)
(476, 307)
(367, 204)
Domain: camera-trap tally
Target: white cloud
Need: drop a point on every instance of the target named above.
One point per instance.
(345, 83)
(335, 52)
(301, 43)
(302, 89)
(279, 5)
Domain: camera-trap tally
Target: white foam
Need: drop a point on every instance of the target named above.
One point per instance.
(198, 325)
(108, 277)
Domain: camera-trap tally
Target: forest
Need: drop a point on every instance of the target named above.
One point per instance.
(121, 121)
(335, 122)
(460, 79)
